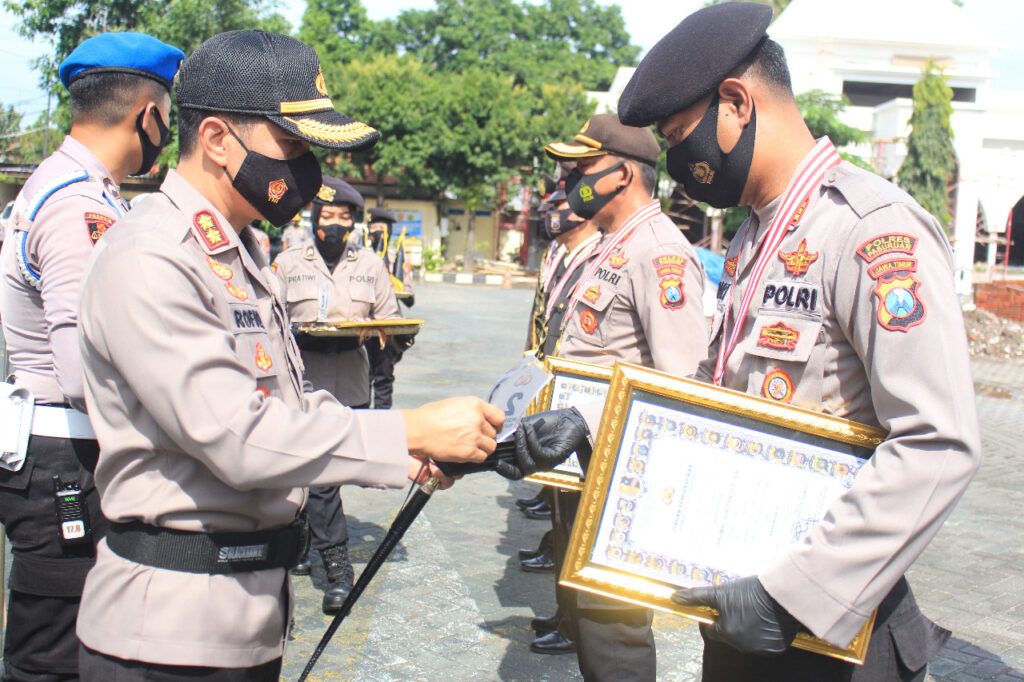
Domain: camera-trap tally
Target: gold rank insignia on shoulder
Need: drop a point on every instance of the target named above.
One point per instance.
(798, 262)
(222, 271)
(326, 193)
(238, 292)
(209, 230)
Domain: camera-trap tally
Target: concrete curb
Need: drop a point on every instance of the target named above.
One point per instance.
(467, 278)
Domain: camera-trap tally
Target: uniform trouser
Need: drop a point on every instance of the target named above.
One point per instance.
(382, 372)
(97, 667)
(902, 643)
(564, 504)
(46, 580)
(614, 641)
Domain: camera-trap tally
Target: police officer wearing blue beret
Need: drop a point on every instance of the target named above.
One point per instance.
(884, 316)
(120, 106)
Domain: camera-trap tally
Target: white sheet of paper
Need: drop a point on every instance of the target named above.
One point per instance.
(693, 499)
(515, 390)
(573, 392)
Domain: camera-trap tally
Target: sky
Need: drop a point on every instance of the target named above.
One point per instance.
(647, 21)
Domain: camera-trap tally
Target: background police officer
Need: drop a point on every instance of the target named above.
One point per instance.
(194, 385)
(869, 329)
(334, 279)
(120, 106)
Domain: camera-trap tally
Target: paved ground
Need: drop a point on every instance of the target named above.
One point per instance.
(452, 604)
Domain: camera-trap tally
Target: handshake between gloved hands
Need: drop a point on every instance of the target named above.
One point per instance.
(540, 443)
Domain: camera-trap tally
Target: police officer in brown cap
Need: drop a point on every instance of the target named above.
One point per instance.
(871, 330)
(194, 385)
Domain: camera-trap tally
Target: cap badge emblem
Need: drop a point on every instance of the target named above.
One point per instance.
(320, 84)
(326, 193)
(702, 172)
(276, 189)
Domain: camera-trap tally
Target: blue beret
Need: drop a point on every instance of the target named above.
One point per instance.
(125, 52)
(692, 60)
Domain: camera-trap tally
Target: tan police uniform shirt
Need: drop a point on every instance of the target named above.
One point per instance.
(295, 237)
(358, 289)
(642, 306)
(194, 388)
(856, 316)
(55, 221)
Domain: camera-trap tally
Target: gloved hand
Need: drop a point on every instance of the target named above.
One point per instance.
(545, 440)
(749, 620)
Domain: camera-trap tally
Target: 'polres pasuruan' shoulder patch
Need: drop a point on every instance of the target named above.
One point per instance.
(97, 224)
(884, 244)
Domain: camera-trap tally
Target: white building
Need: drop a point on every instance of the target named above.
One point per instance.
(873, 51)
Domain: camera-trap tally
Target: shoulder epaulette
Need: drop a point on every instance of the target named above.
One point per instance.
(51, 188)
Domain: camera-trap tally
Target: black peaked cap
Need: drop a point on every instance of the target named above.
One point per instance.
(692, 60)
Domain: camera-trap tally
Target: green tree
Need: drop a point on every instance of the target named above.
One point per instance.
(928, 169)
(10, 130)
(821, 112)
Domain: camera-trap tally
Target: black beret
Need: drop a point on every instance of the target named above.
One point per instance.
(336, 191)
(692, 60)
(381, 215)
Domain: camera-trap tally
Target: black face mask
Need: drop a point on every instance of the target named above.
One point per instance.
(277, 188)
(583, 198)
(377, 240)
(557, 223)
(333, 243)
(707, 173)
(150, 151)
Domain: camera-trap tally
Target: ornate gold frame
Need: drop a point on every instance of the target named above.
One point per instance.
(579, 573)
(570, 368)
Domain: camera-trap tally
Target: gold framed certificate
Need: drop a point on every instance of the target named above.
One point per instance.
(691, 484)
(390, 326)
(572, 384)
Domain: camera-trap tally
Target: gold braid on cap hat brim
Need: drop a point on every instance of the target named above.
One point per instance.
(348, 133)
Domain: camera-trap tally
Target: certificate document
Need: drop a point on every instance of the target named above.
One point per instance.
(571, 391)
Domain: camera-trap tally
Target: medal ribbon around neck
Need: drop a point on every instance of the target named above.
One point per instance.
(823, 158)
(616, 240)
(577, 260)
(551, 264)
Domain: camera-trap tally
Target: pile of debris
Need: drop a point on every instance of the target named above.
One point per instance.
(990, 336)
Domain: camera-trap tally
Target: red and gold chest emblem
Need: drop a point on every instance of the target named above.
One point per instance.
(592, 293)
(222, 271)
(731, 265)
(778, 336)
(97, 224)
(617, 260)
(276, 189)
(262, 358)
(588, 321)
(238, 292)
(798, 262)
(209, 230)
(778, 385)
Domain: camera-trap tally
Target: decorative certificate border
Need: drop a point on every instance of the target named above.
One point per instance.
(580, 376)
(738, 424)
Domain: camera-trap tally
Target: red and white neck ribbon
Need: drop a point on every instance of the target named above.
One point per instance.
(555, 255)
(610, 245)
(808, 181)
(576, 260)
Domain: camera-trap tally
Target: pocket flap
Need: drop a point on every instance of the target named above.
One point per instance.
(362, 293)
(301, 291)
(783, 338)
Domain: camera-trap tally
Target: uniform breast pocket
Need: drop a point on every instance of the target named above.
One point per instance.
(786, 366)
(304, 291)
(589, 319)
(363, 298)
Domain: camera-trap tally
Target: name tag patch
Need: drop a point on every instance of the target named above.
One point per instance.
(609, 276)
(798, 296)
(246, 318)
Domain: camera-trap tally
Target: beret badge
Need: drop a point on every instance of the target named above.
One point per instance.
(326, 193)
(702, 172)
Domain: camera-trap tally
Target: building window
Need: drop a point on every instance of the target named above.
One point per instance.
(866, 94)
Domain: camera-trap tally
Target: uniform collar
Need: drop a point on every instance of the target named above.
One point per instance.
(589, 241)
(211, 229)
(84, 157)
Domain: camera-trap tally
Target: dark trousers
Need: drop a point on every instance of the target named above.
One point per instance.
(97, 667)
(327, 524)
(564, 505)
(46, 580)
(902, 643)
(614, 641)
(382, 372)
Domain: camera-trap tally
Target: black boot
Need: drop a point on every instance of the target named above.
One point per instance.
(340, 577)
(304, 567)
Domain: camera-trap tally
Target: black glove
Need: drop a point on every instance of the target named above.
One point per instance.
(749, 620)
(545, 440)
(403, 342)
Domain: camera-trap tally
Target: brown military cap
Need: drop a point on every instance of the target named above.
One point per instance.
(604, 134)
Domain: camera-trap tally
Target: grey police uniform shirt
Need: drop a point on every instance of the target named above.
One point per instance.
(194, 388)
(856, 316)
(359, 288)
(64, 208)
(629, 311)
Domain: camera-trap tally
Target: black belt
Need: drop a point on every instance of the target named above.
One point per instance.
(209, 553)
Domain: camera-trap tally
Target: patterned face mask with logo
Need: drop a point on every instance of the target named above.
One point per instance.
(277, 188)
(583, 197)
(708, 174)
(557, 223)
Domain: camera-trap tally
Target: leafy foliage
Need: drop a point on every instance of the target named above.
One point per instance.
(930, 164)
